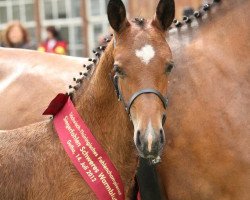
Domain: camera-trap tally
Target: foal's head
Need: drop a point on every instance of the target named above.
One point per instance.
(142, 61)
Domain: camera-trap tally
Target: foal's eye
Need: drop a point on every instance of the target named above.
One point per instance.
(118, 70)
(169, 67)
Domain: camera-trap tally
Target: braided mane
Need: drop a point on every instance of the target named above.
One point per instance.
(183, 27)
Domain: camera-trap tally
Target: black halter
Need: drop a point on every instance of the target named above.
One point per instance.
(128, 105)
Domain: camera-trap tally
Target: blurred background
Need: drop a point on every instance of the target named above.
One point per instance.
(82, 24)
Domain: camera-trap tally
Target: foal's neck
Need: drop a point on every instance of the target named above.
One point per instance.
(98, 106)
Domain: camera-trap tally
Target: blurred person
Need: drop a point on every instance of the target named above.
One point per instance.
(16, 36)
(53, 43)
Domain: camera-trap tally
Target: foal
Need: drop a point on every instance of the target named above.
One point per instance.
(33, 164)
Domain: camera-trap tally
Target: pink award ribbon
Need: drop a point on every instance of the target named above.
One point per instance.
(87, 155)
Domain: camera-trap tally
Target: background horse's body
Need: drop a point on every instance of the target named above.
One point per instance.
(208, 126)
(28, 82)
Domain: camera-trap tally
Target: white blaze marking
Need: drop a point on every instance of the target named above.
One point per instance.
(136, 127)
(150, 140)
(146, 53)
(150, 132)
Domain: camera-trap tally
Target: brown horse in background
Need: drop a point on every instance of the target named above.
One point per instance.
(33, 164)
(28, 82)
(208, 152)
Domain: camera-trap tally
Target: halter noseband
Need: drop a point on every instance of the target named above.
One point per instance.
(147, 91)
(128, 105)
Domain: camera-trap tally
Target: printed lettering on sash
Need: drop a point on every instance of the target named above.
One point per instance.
(87, 155)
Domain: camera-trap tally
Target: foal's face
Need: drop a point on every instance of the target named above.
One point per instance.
(142, 59)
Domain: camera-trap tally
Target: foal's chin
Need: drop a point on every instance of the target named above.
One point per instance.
(149, 155)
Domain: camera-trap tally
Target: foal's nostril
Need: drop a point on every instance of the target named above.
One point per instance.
(138, 140)
(161, 136)
(164, 117)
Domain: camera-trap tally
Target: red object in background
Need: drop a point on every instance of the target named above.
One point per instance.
(60, 47)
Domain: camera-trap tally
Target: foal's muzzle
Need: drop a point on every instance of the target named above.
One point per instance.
(150, 143)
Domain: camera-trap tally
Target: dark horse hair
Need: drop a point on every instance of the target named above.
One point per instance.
(54, 32)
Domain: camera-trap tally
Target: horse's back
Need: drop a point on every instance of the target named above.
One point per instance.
(29, 80)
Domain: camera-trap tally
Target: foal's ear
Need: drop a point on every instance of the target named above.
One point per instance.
(117, 15)
(164, 14)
